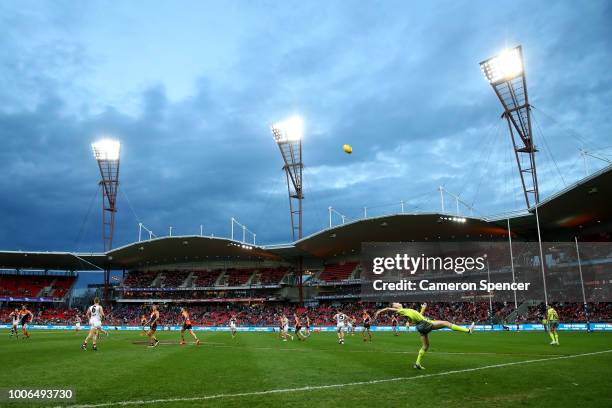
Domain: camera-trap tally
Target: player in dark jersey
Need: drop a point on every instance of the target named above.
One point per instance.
(187, 326)
(143, 323)
(298, 328)
(25, 317)
(307, 330)
(394, 325)
(367, 322)
(152, 323)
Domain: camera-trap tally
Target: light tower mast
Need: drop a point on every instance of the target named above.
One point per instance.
(106, 153)
(288, 136)
(506, 74)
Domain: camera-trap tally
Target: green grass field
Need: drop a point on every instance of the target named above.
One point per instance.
(256, 370)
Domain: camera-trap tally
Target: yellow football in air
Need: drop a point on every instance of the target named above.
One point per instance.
(347, 149)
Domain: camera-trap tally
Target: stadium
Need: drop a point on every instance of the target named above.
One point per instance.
(205, 320)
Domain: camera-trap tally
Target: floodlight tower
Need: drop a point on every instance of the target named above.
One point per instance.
(288, 136)
(506, 74)
(106, 153)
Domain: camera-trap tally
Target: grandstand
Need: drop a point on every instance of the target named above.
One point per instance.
(216, 275)
(52, 288)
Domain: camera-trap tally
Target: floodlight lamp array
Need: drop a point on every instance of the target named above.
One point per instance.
(106, 149)
(289, 130)
(503, 67)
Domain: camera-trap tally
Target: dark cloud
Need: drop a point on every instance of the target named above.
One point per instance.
(398, 81)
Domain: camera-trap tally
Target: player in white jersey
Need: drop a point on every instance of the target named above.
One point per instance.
(232, 325)
(95, 314)
(349, 326)
(15, 320)
(284, 324)
(341, 320)
(77, 324)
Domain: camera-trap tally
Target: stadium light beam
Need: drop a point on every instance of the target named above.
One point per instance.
(106, 152)
(506, 74)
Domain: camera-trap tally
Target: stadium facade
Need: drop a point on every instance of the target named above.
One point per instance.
(213, 269)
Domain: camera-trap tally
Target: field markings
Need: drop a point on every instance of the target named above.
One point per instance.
(328, 386)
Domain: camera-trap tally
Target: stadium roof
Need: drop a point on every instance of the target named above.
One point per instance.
(582, 209)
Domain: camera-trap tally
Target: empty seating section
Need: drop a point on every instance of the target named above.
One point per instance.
(173, 279)
(61, 286)
(338, 272)
(238, 277)
(271, 276)
(139, 279)
(205, 278)
(32, 285)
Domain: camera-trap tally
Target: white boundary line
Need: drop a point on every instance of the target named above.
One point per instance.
(323, 387)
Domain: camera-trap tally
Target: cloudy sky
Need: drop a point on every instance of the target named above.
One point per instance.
(190, 88)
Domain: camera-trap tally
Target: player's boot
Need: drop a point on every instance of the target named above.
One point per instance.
(84, 347)
(472, 328)
(419, 367)
(197, 342)
(182, 342)
(95, 347)
(156, 343)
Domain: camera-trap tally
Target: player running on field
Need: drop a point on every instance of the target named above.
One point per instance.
(232, 325)
(553, 325)
(350, 325)
(423, 326)
(77, 323)
(394, 325)
(307, 330)
(367, 322)
(25, 317)
(187, 326)
(284, 324)
(341, 319)
(95, 314)
(143, 323)
(152, 323)
(298, 328)
(14, 316)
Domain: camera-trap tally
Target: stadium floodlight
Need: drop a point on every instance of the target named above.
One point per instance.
(507, 65)
(506, 74)
(106, 152)
(289, 130)
(288, 135)
(106, 149)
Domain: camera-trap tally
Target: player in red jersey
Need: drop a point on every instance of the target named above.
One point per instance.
(394, 325)
(367, 322)
(298, 328)
(307, 329)
(187, 326)
(25, 317)
(143, 323)
(152, 323)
